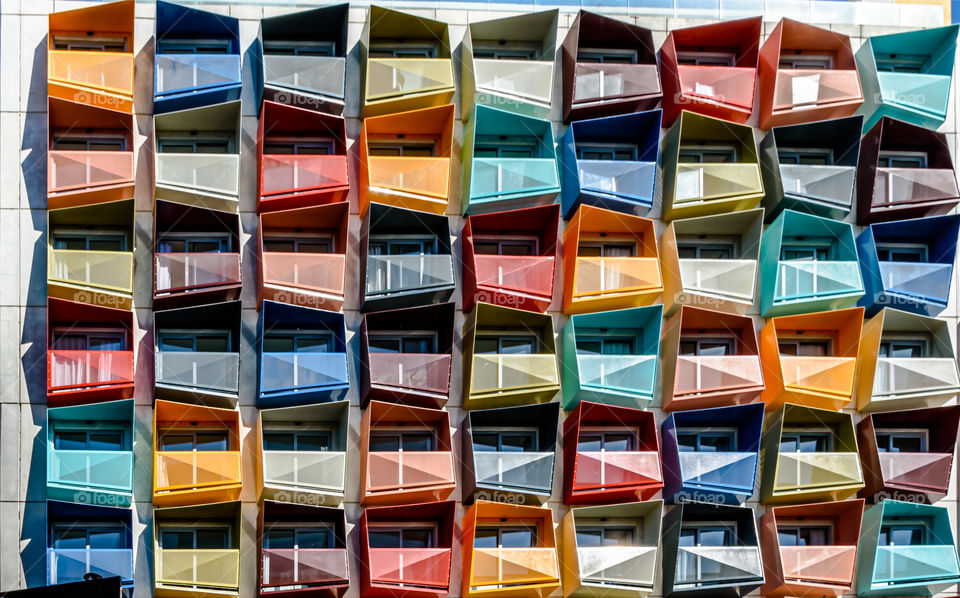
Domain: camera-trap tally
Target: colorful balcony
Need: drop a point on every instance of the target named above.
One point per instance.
(206, 472)
(518, 270)
(610, 261)
(807, 264)
(906, 361)
(593, 368)
(711, 455)
(390, 570)
(197, 156)
(611, 162)
(99, 587)
(711, 262)
(520, 81)
(925, 566)
(904, 171)
(302, 256)
(304, 58)
(806, 73)
(914, 86)
(95, 166)
(809, 455)
(413, 465)
(609, 68)
(703, 182)
(492, 569)
(810, 550)
(811, 167)
(509, 358)
(718, 83)
(290, 567)
(810, 359)
(302, 156)
(197, 58)
(186, 570)
(405, 160)
(90, 453)
(396, 274)
(509, 161)
(694, 565)
(197, 354)
(610, 454)
(302, 453)
(624, 569)
(101, 77)
(509, 461)
(70, 556)
(79, 369)
(907, 455)
(90, 254)
(411, 367)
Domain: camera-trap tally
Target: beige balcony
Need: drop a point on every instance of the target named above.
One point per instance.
(729, 279)
(214, 569)
(503, 373)
(322, 471)
(706, 182)
(803, 472)
(103, 270)
(523, 80)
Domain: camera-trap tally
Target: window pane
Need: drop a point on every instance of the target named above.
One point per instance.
(70, 538)
(417, 538)
(211, 441)
(314, 538)
(278, 441)
(716, 443)
(618, 442)
(484, 442)
(384, 538)
(589, 442)
(384, 345)
(787, 537)
(589, 347)
(587, 538)
(173, 540)
(313, 442)
(518, 538)
(70, 441)
(417, 442)
(713, 537)
(212, 539)
(106, 441)
(485, 537)
(486, 345)
(714, 348)
(517, 346)
(907, 444)
(106, 538)
(385, 443)
(176, 442)
(688, 537)
(516, 443)
(213, 344)
(687, 443)
(279, 538)
(618, 536)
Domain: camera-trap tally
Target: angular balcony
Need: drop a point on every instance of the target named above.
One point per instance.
(698, 182)
(699, 569)
(303, 355)
(391, 571)
(396, 274)
(597, 176)
(811, 167)
(411, 367)
(908, 455)
(600, 469)
(609, 68)
(820, 564)
(520, 82)
(197, 354)
(916, 88)
(419, 180)
(69, 554)
(197, 58)
(101, 77)
(610, 261)
(806, 74)
(197, 157)
(80, 267)
(809, 455)
(312, 473)
(719, 83)
(592, 374)
(494, 468)
(303, 58)
(509, 358)
(925, 566)
(190, 571)
(509, 161)
(503, 272)
(597, 569)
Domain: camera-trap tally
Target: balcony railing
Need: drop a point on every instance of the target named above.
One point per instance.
(390, 471)
(111, 71)
(514, 566)
(910, 376)
(108, 270)
(205, 568)
(292, 371)
(396, 273)
(703, 182)
(317, 470)
(203, 371)
(319, 272)
(833, 375)
(215, 173)
(493, 177)
(924, 281)
(183, 271)
(69, 565)
(618, 565)
(523, 274)
(77, 171)
(412, 371)
(811, 471)
(301, 566)
(923, 471)
(719, 471)
(605, 82)
(524, 80)
(620, 179)
(514, 471)
(800, 89)
(190, 470)
(625, 373)
(897, 186)
(897, 565)
(427, 567)
(726, 85)
(599, 276)
(389, 77)
(406, 174)
(319, 74)
(78, 370)
(499, 372)
(807, 280)
(605, 469)
(818, 564)
(697, 374)
(283, 174)
(831, 184)
(717, 565)
(725, 278)
(916, 91)
(183, 72)
(110, 470)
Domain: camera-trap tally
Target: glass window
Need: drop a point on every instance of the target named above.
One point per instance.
(804, 535)
(805, 347)
(519, 245)
(310, 538)
(902, 252)
(602, 345)
(209, 145)
(613, 441)
(88, 339)
(292, 146)
(609, 55)
(414, 536)
(904, 159)
(711, 250)
(902, 534)
(505, 345)
(805, 61)
(707, 154)
(199, 46)
(89, 535)
(505, 441)
(503, 50)
(595, 249)
(299, 48)
(195, 243)
(399, 441)
(203, 342)
(80, 241)
(713, 440)
(405, 246)
(694, 58)
(607, 151)
(707, 346)
(288, 342)
(421, 148)
(92, 142)
(403, 343)
(89, 440)
(90, 43)
(708, 535)
(187, 440)
(198, 538)
(513, 536)
(314, 440)
(798, 441)
(592, 536)
(308, 244)
(902, 441)
(900, 63)
(805, 156)
(413, 49)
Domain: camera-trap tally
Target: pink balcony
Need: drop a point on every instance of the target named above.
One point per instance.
(428, 372)
(604, 469)
(426, 567)
(301, 174)
(303, 566)
(73, 171)
(402, 471)
(818, 564)
(69, 371)
(718, 84)
(705, 374)
(516, 274)
(192, 271)
(319, 272)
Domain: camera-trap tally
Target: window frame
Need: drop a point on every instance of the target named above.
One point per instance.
(528, 431)
(193, 432)
(633, 445)
(193, 527)
(796, 433)
(702, 58)
(183, 332)
(700, 151)
(731, 432)
(892, 433)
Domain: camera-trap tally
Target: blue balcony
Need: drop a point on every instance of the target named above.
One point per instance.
(70, 554)
(303, 355)
(611, 162)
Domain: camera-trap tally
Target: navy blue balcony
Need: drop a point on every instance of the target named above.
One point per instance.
(71, 553)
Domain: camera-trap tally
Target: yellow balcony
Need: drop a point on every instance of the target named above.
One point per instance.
(399, 84)
(495, 568)
(217, 570)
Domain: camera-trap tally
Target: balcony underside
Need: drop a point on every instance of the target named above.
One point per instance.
(186, 99)
(637, 398)
(406, 102)
(528, 301)
(809, 397)
(316, 298)
(300, 494)
(196, 197)
(722, 397)
(407, 298)
(113, 391)
(221, 293)
(194, 394)
(163, 590)
(511, 398)
(91, 194)
(88, 494)
(407, 395)
(197, 496)
(840, 300)
(303, 98)
(712, 206)
(83, 293)
(72, 91)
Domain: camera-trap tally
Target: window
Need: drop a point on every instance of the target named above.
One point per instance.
(507, 440)
(805, 156)
(605, 345)
(708, 249)
(309, 536)
(415, 148)
(507, 536)
(413, 343)
(506, 345)
(607, 151)
(707, 440)
(595, 440)
(707, 154)
(193, 46)
(88, 339)
(900, 63)
(86, 241)
(808, 347)
(194, 440)
(904, 347)
(522, 245)
(695, 570)
(691, 345)
(205, 537)
(397, 441)
(89, 142)
(901, 159)
(610, 55)
(298, 243)
(90, 43)
(89, 536)
(494, 146)
(289, 146)
(215, 341)
(313, 440)
(805, 441)
(403, 50)
(812, 251)
(706, 58)
(403, 245)
(903, 534)
(172, 145)
(188, 242)
(902, 252)
(594, 536)
(806, 61)
(284, 341)
(907, 440)
(720, 534)
(500, 50)
(299, 48)
(597, 248)
(411, 535)
(804, 535)
(98, 439)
